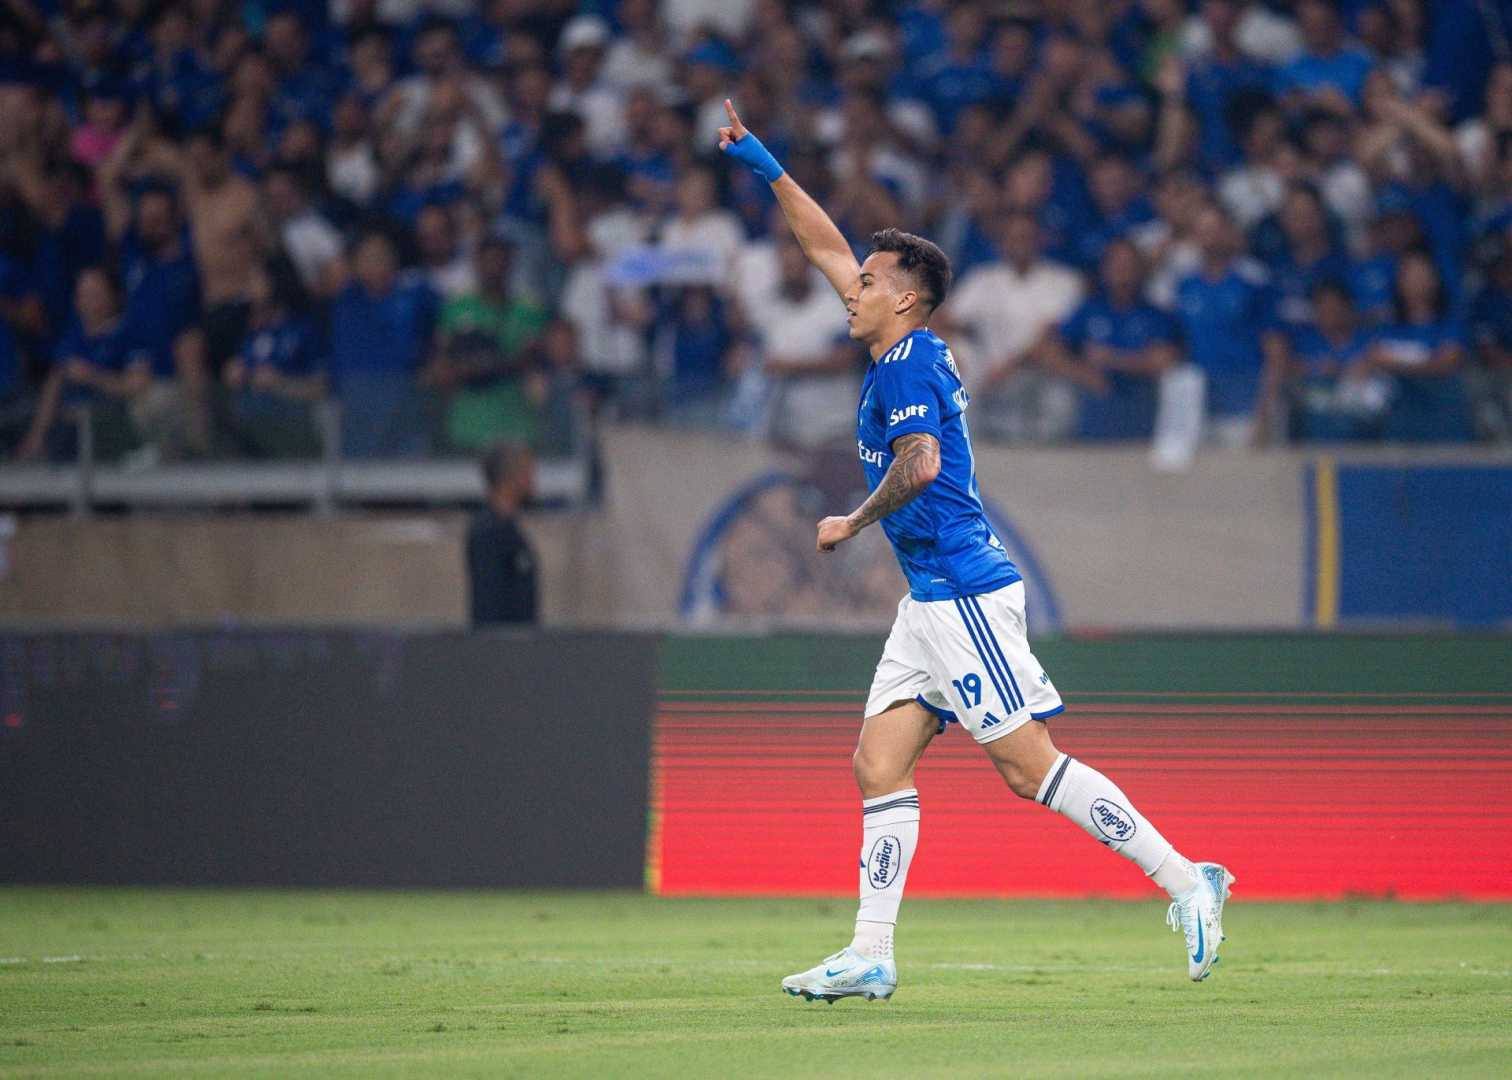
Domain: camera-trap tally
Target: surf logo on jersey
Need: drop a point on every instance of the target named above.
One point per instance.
(868, 455)
(897, 416)
(1112, 820)
(882, 864)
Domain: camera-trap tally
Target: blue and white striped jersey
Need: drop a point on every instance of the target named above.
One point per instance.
(942, 539)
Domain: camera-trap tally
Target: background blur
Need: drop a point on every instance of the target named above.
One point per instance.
(1233, 299)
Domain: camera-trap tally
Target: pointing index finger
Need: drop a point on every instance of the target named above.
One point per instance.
(734, 118)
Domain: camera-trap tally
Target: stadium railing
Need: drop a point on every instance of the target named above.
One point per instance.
(321, 484)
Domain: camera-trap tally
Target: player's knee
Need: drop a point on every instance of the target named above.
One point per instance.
(875, 776)
(1020, 781)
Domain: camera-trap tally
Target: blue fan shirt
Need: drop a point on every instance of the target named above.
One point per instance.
(942, 539)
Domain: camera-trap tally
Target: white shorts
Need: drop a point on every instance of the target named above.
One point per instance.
(965, 660)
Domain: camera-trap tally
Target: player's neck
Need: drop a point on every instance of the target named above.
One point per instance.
(894, 332)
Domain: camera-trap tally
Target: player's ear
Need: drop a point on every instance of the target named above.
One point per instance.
(907, 300)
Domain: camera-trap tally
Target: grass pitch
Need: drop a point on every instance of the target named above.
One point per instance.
(153, 982)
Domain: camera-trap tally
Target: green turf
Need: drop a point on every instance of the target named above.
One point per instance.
(153, 982)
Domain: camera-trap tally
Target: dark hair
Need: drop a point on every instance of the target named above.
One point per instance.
(1334, 286)
(929, 266)
(497, 241)
(504, 460)
(156, 186)
(210, 133)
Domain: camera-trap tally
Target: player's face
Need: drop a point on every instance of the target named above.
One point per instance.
(875, 296)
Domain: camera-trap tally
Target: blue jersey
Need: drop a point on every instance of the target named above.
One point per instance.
(942, 539)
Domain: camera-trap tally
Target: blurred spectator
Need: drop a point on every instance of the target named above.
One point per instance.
(1114, 347)
(960, 74)
(162, 313)
(1302, 253)
(483, 358)
(188, 142)
(1413, 160)
(441, 71)
(810, 364)
(1345, 188)
(1253, 188)
(1422, 352)
(1395, 232)
(557, 392)
(1478, 137)
(1491, 338)
(999, 311)
(91, 367)
(1228, 319)
(611, 319)
(223, 218)
(352, 169)
(700, 226)
(1203, 91)
(382, 328)
(639, 56)
(444, 262)
(583, 89)
(304, 85)
(1392, 34)
(311, 242)
(1168, 242)
(501, 566)
(1327, 397)
(1118, 204)
(274, 376)
(1328, 74)
(1261, 31)
(106, 113)
(694, 343)
(868, 147)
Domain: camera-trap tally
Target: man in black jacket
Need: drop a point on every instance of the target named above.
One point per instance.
(501, 567)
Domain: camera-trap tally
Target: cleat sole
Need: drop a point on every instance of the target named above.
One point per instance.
(809, 995)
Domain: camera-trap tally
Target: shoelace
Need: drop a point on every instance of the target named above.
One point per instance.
(1178, 924)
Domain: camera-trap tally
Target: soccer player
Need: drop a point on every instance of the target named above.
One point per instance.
(958, 650)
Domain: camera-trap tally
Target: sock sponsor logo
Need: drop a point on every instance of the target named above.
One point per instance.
(882, 864)
(1112, 820)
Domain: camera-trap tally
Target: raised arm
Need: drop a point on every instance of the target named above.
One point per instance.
(820, 239)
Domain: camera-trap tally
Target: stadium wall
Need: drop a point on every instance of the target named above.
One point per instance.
(1315, 767)
(325, 758)
(1280, 540)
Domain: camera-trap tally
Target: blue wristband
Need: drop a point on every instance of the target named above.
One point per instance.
(748, 149)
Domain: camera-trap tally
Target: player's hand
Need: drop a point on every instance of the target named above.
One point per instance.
(736, 131)
(834, 530)
(738, 142)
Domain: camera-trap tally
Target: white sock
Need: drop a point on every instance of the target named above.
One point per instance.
(889, 834)
(1094, 802)
(873, 940)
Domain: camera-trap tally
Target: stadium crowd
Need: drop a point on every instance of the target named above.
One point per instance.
(474, 220)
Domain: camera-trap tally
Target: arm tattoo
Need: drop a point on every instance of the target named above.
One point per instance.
(915, 464)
